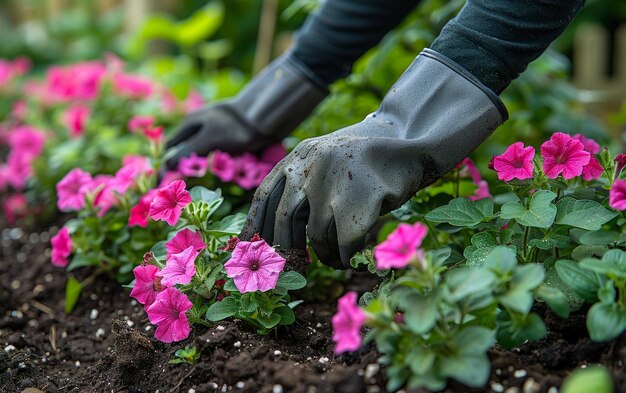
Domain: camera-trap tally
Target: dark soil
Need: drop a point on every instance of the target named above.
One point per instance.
(106, 344)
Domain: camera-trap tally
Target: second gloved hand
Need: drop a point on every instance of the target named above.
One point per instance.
(333, 188)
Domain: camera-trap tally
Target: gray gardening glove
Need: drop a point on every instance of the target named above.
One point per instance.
(334, 187)
(263, 113)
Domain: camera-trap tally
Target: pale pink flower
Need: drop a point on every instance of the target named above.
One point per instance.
(19, 169)
(70, 190)
(26, 141)
(14, 206)
(183, 240)
(140, 213)
(473, 171)
(127, 176)
(617, 195)
(140, 123)
(169, 202)
(169, 103)
(106, 197)
(222, 165)
(154, 134)
(593, 170)
(193, 102)
(254, 266)
(169, 177)
(193, 166)
(132, 86)
(180, 268)
(401, 246)
(61, 247)
(18, 111)
(347, 323)
(75, 118)
(482, 191)
(168, 312)
(589, 144)
(147, 284)
(273, 154)
(564, 155)
(515, 163)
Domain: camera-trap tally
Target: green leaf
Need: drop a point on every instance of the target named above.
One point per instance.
(471, 370)
(613, 263)
(540, 214)
(230, 286)
(73, 288)
(159, 251)
(596, 379)
(82, 260)
(420, 314)
(222, 310)
(606, 321)
(550, 241)
(601, 237)
(201, 25)
(203, 194)
(583, 214)
(513, 332)
(584, 282)
(465, 282)
(474, 340)
(555, 299)
(291, 281)
(483, 244)
(287, 316)
(229, 226)
(587, 251)
(461, 212)
(269, 321)
(420, 360)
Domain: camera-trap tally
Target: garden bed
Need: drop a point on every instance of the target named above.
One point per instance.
(106, 343)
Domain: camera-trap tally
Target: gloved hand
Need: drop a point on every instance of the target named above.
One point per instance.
(263, 113)
(334, 187)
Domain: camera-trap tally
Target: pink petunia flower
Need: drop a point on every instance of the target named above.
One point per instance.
(193, 102)
(75, 118)
(154, 134)
(18, 170)
(564, 155)
(106, 197)
(589, 144)
(140, 123)
(474, 173)
(482, 191)
(254, 266)
(593, 170)
(183, 240)
(127, 176)
(26, 141)
(140, 213)
(249, 172)
(620, 163)
(193, 166)
(168, 312)
(70, 190)
(401, 246)
(61, 247)
(14, 206)
(147, 284)
(515, 163)
(169, 202)
(132, 86)
(169, 177)
(222, 165)
(347, 323)
(617, 195)
(273, 154)
(180, 268)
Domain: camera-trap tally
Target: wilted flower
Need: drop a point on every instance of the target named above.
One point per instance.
(565, 155)
(168, 312)
(193, 166)
(401, 246)
(169, 202)
(147, 284)
(515, 163)
(71, 190)
(183, 240)
(61, 247)
(617, 195)
(347, 323)
(254, 266)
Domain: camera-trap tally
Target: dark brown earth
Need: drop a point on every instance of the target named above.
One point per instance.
(106, 344)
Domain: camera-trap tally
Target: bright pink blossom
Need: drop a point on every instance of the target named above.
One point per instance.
(180, 268)
(617, 195)
(273, 154)
(75, 118)
(193, 166)
(620, 163)
(254, 266)
(169, 202)
(515, 163)
(154, 134)
(168, 313)
(106, 197)
(26, 141)
(183, 240)
(222, 165)
(132, 86)
(70, 190)
(482, 191)
(589, 144)
(347, 323)
(401, 246)
(61, 247)
(14, 206)
(18, 170)
(80, 81)
(169, 177)
(127, 176)
(593, 170)
(564, 155)
(147, 284)
(140, 123)
(140, 213)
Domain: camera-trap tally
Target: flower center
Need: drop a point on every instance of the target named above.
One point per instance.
(518, 164)
(254, 266)
(561, 159)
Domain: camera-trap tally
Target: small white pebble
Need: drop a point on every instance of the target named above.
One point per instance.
(64, 334)
(237, 344)
(130, 323)
(21, 365)
(498, 371)
(360, 372)
(225, 388)
(520, 373)
(373, 389)
(77, 364)
(530, 386)
(147, 328)
(512, 389)
(371, 370)
(319, 325)
(240, 385)
(16, 284)
(277, 353)
(9, 348)
(191, 390)
(323, 360)
(553, 389)
(277, 389)
(496, 387)
(17, 314)
(100, 333)
(93, 297)
(94, 313)
(133, 302)
(220, 327)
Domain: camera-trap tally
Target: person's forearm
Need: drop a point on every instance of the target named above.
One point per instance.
(495, 40)
(341, 31)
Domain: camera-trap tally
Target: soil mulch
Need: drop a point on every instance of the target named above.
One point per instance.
(106, 344)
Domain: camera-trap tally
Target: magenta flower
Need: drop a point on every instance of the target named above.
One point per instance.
(140, 213)
(617, 195)
(273, 154)
(71, 191)
(140, 123)
(154, 134)
(515, 163)
(401, 246)
(168, 313)
(18, 170)
(620, 162)
(132, 86)
(193, 166)
(347, 323)
(482, 191)
(147, 284)
(183, 240)
(222, 165)
(106, 196)
(593, 170)
(26, 141)
(254, 266)
(473, 171)
(169, 177)
(61, 247)
(14, 206)
(589, 144)
(564, 155)
(75, 118)
(180, 268)
(127, 176)
(169, 202)
(249, 172)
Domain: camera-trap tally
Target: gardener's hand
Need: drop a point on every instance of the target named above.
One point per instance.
(333, 188)
(265, 111)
